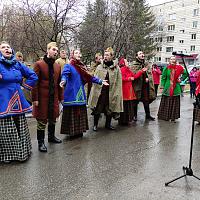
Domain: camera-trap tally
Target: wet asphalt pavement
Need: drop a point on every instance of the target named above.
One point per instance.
(130, 163)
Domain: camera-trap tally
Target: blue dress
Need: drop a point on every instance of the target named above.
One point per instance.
(15, 141)
(12, 99)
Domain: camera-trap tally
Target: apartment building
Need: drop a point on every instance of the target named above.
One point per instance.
(178, 29)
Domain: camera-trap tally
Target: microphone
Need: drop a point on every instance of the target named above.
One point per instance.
(181, 54)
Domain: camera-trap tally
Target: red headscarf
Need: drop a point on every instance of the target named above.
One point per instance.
(80, 68)
(121, 62)
(176, 71)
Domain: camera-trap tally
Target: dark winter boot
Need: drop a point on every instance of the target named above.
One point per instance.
(108, 123)
(40, 138)
(96, 120)
(51, 134)
(147, 111)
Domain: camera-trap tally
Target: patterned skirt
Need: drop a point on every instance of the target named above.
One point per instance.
(128, 114)
(74, 120)
(169, 108)
(15, 141)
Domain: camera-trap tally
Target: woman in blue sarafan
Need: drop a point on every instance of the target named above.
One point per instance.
(74, 76)
(15, 141)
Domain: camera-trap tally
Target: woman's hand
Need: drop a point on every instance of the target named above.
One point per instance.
(62, 84)
(1, 76)
(104, 82)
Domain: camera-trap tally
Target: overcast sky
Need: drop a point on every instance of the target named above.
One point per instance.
(155, 2)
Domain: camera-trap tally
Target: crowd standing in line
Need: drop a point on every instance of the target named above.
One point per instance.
(116, 90)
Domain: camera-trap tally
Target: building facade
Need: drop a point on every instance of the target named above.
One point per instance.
(178, 30)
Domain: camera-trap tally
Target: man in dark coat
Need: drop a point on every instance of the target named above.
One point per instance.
(47, 95)
(143, 86)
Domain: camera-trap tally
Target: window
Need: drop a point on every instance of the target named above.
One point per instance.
(159, 49)
(170, 39)
(167, 60)
(151, 40)
(196, 12)
(194, 24)
(192, 48)
(158, 39)
(182, 31)
(156, 59)
(194, 36)
(171, 27)
(169, 49)
(181, 41)
(198, 1)
(159, 28)
(172, 16)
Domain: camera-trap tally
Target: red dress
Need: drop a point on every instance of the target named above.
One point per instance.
(129, 96)
(127, 87)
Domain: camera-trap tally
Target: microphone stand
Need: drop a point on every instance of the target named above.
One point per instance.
(188, 170)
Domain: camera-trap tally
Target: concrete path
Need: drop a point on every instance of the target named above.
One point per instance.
(131, 163)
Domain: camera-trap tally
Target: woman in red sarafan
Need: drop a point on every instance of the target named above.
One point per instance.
(129, 96)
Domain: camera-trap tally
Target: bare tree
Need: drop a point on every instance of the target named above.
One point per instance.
(34, 24)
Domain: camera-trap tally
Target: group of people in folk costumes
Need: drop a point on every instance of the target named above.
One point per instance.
(115, 90)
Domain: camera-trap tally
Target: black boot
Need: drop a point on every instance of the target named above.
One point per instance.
(51, 134)
(40, 138)
(108, 123)
(147, 111)
(96, 120)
